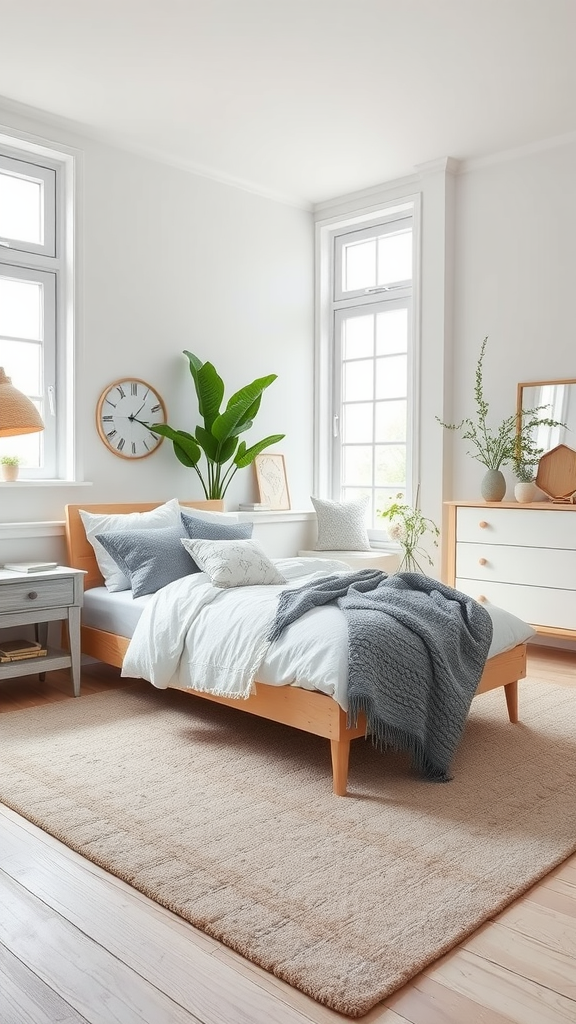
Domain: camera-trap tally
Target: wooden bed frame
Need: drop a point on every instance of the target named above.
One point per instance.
(308, 710)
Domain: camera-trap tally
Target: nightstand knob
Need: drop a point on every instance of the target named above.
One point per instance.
(481, 598)
(482, 524)
(482, 561)
(33, 595)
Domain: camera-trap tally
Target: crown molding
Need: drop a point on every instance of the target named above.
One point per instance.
(40, 118)
(518, 153)
(443, 165)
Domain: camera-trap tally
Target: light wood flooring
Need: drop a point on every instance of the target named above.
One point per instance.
(78, 945)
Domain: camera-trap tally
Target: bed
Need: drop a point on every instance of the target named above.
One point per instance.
(309, 710)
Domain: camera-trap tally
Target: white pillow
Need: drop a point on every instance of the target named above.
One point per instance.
(341, 525)
(233, 563)
(94, 523)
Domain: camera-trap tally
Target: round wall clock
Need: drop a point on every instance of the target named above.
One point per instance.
(119, 408)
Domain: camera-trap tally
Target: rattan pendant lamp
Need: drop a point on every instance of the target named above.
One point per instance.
(18, 415)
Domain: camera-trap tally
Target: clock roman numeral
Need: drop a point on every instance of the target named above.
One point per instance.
(110, 434)
(155, 408)
(133, 389)
(133, 448)
(120, 389)
(107, 419)
(108, 402)
(146, 446)
(121, 444)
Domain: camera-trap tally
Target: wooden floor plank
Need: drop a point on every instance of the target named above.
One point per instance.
(91, 979)
(527, 956)
(24, 999)
(424, 1001)
(501, 991)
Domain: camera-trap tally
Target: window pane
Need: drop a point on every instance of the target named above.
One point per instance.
(21, 204)
(358, 423)
(382, 496)
(28, 447)
(358, 336)
(395, 257)
(390, 465)
(22, 363)
(357, 469)
(392, 332)
(20, 309)
(391, 377)
(358, 380)
(359, 265)
(391, 421)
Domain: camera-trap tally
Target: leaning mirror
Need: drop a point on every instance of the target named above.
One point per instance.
(556, 400)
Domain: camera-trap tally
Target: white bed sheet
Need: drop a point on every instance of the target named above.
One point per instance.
(311, 653)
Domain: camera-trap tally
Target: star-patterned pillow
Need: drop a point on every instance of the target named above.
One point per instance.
(233, 563)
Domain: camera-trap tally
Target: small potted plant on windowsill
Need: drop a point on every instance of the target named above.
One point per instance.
(10, 466)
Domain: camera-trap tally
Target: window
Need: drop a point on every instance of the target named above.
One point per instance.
(369, 361)
(34, 302)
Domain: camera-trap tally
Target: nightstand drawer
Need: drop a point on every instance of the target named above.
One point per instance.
(36, 594)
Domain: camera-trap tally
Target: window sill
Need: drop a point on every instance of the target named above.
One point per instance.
(45, 483)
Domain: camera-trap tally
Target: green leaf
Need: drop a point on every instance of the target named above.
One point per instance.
(210, 391)
(246, 457)
(235, 417)
(208, 442)
(185, 447)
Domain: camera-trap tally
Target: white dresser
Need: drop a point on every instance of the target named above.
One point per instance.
(521, 557)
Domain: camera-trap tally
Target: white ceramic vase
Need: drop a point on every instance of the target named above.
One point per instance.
(9, 472)
(525, 492)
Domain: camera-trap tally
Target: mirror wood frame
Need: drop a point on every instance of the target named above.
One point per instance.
(534, 384)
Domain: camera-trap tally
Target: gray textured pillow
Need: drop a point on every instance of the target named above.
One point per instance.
(149, 558)
(234, 563)
(341, 525)
(94, 524)
(203, 529)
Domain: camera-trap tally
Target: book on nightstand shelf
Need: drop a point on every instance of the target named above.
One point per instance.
(30, 566)
(18, 650)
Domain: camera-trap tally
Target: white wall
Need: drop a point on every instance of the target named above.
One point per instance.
(170, 260)
(515, 268)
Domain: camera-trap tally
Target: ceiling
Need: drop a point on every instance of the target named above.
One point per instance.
(302, 100)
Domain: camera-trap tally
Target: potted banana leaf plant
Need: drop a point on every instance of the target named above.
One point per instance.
(217, 439)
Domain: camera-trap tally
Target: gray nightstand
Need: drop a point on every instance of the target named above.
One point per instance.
(39, 598)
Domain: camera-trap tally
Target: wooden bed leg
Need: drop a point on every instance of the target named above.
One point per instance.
(340, 751)
(511, 693)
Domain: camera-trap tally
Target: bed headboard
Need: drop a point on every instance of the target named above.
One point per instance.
(80, 553)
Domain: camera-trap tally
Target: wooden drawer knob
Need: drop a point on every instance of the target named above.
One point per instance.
(482, 561)
(482, 524)
(482, 598)
(33, 595)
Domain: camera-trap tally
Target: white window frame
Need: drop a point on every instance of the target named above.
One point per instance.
(328, 301)
(23, 154)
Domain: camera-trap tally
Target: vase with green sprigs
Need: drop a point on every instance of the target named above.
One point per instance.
(407, 526)
(509, 443)
(10, 466)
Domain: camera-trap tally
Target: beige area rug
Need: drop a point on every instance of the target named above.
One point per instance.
(230, 822)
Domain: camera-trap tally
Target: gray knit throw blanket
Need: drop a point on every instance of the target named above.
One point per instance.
(416, 652)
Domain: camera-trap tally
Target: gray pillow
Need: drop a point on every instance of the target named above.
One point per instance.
(203, 529)
(149, 558)
(341, 525)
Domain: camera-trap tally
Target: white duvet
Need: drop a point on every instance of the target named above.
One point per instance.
(197, 636)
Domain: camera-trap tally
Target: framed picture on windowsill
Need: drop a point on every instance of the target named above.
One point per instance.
(272, 482)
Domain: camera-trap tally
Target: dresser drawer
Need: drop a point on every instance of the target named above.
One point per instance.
(541, 528)
(540, 606)
(502, 563)
(33, 595)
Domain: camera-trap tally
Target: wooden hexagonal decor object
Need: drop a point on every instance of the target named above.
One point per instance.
(557, 473)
